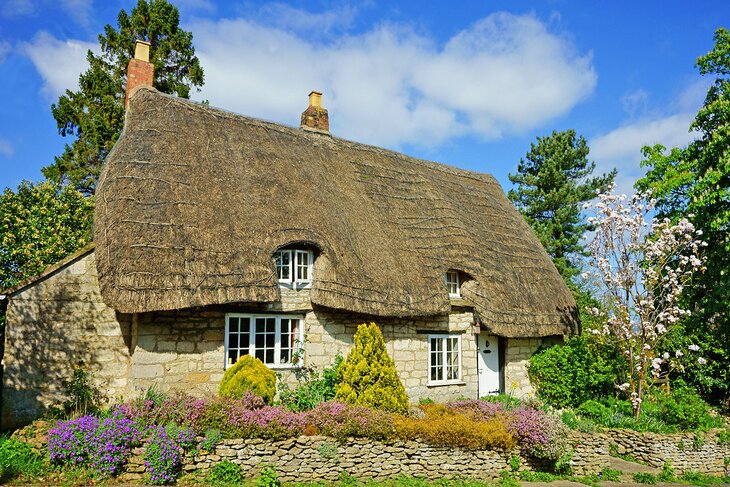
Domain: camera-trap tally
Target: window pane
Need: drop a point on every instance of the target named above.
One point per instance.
(269, 356)
(285, 355)
(282, 258)
(260, 354)
(232, 357)
(303, 265)
(233, 325)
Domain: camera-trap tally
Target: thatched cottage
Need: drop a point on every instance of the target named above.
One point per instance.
(217, 235)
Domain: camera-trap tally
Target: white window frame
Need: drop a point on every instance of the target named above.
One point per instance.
(455, 281)
(277, 364)
(444, 340)
(295, 256)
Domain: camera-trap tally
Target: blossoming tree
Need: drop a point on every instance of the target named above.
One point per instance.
(641, 266)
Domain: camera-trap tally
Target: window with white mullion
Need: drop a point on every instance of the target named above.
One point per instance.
(444, 359)
(273, 339)
(453, 284)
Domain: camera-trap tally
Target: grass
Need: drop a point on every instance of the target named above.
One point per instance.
(19, 461)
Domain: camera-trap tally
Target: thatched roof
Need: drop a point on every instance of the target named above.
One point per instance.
(193, 202)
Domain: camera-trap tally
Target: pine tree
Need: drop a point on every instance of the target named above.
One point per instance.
(94, 114)
(552, 183)
(368, 377)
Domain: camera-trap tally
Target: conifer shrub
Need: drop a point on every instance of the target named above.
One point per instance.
(248, 374)
(368, 377)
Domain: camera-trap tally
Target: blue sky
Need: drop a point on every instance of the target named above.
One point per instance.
(467, 83)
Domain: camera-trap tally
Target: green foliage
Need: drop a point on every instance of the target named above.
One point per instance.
(694, 182)
(563, 463)
(723, 437)
(368, 377)
(567, 375)
(514, 463)
(40, 224)
(609, 474)
(702, 479)
(552, 183)
(685, 409)
(95, 113)
(312, 388)
(19, 461)
(592, 409)
(211, 438)
(667, 473)
(268, 477)
(507, 400)
(82, 396)
(248, 374)
(225, 474)
(507, 480)
(644, 478)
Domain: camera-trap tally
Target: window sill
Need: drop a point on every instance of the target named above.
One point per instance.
(445, 383)
(295, 287)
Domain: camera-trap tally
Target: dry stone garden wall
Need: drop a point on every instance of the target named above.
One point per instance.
(315, 458)
(685, 451)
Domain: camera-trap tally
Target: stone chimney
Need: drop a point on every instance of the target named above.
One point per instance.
(315, 117)
(140, 71)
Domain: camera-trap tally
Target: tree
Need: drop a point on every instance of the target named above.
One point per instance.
(552, 184)
(641, 265)
(368, 377)
(39, 225)
(95, 113)
(694, 183)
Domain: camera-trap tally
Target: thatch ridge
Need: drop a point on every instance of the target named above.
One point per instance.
(193, 201)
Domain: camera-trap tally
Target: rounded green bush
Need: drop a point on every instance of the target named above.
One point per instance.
(248, 374)
(368, 377)
(592, 409)
(570, 374)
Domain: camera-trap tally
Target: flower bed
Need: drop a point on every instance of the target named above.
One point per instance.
(168, 426)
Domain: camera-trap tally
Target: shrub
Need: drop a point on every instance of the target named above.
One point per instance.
(248, 374)
(163, 457)
(312, 389)
(368, 377)
(609, 474)
(540, 434)
(211, 439)
(456, 431)
(685, 409)
(224, 474)
(89, 441)
(570, 374)
(592, 409)
(82, 397)
(268, 477)
(340, 420)
(17, 459)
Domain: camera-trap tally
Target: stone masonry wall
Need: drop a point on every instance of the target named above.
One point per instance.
(184, 350)
(685, 451)
(517, 356)
(53, 325)
(320, 458)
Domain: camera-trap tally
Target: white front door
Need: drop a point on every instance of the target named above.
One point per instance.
(488, 364)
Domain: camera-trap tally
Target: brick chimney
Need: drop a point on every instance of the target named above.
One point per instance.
(315, 117)
(140, 71)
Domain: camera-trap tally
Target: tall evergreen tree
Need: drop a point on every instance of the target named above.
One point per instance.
(94, 114)
(552, 184)
(694, 182)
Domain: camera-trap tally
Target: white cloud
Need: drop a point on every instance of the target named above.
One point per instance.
(18, 8)
(290, 18)
(4, 51)
(621, 148)
(58, 62)
(78, 10)
(6, 148)
(391, 86)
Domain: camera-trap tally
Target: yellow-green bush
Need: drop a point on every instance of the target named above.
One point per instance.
(455, 430)
(248, 374)
(368, 377)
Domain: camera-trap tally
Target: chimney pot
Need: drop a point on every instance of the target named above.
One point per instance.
(315, 99)
(142, 50)
(315, 117)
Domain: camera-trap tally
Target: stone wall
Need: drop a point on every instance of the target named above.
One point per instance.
(53, 325)
(517, 355)
(685, 451)
(315, 458)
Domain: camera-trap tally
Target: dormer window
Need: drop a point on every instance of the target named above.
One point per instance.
(294, 266)
(453, 284)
